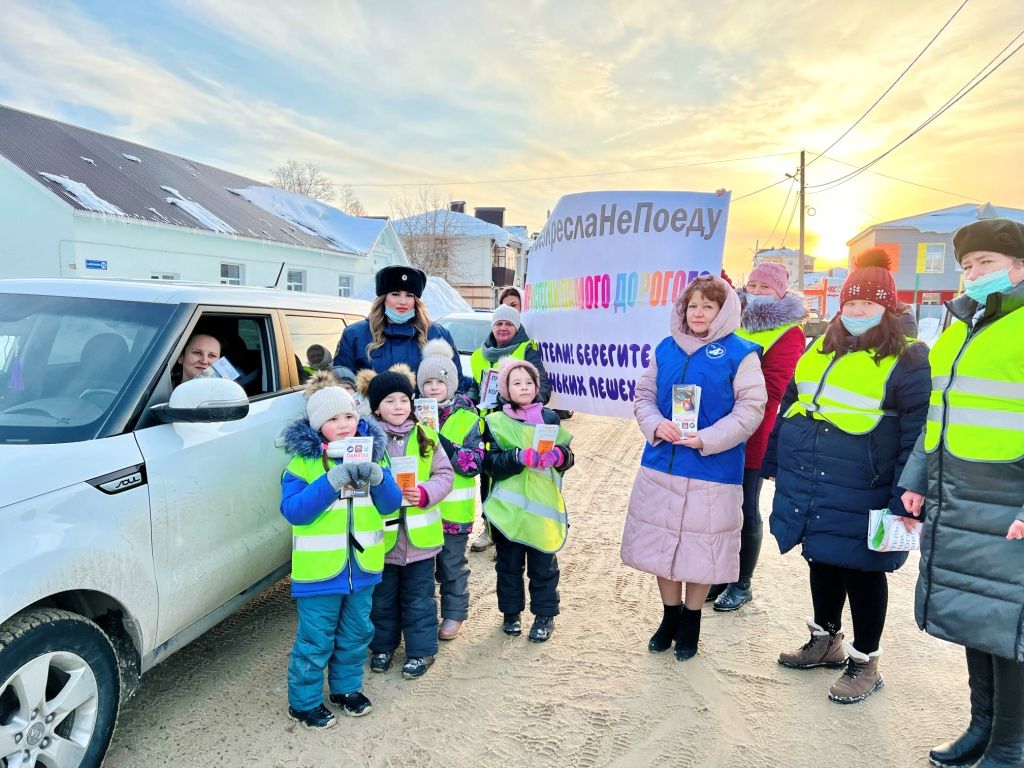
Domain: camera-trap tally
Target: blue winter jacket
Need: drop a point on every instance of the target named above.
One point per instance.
(303, 502)
(827, 480)
(400, 347)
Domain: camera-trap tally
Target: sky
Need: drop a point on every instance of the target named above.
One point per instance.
(516, 104)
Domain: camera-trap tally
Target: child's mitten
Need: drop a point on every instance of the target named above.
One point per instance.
(551, 458)
(528, 457)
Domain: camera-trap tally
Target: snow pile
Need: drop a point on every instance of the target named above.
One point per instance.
(519, 231)
(351, 234)
(948, 220)
(83, 195)
(439, 297)
(198, 212)
(445, 222)
(928, 330)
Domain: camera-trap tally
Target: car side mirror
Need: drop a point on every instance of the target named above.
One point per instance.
(204, 400)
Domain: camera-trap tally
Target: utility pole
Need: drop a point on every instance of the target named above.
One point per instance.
(803, 207)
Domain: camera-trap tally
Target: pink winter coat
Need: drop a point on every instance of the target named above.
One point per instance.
(680, 528)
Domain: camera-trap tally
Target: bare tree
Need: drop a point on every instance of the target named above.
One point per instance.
(305, 179)
(428, 231)
(349, 202)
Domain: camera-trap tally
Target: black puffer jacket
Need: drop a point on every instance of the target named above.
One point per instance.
(502, 464)
(971, 585)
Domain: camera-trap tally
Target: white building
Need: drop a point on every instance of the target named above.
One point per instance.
(75, 203)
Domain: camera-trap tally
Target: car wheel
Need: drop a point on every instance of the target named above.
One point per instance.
(59, 690)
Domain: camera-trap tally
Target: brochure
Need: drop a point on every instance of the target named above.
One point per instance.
(224, 369)
(352, 450)
(404, 470)
(685, 406)
(544, 436)
(426, 412)
(489, 388)
(886, 533)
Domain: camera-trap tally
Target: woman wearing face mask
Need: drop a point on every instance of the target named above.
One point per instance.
(967, 473)
(397, 327)
(850, 418)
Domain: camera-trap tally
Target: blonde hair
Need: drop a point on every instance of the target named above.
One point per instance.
(377, 320)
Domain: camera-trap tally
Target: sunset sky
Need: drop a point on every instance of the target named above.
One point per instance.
(487, 101)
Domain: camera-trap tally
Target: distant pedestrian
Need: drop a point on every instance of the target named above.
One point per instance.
(967, 470)
(684, 518)
(850, 416)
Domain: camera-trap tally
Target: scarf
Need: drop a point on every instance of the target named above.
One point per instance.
(531, 414)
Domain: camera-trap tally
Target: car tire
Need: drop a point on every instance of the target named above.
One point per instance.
(60, 689)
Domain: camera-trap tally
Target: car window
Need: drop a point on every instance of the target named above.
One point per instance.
(467, 333)
(64, 361)
(314, 341)
(246, 342)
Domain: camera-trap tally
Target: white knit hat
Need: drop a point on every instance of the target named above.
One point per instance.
(505, 312)
(327, 403)
(438, 363)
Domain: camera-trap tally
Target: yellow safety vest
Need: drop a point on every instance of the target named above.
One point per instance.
(479, 363)
(422, 526)
(977, 403)
(846, 391)
(320, 548)
(765, 338)
(527, 507)
(459, 506)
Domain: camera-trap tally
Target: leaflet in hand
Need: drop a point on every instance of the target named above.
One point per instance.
(221, 368)
(686, 407)
(426, 412)
(404, 470)
(352, 450)
(489, 388)
(544, 437)
(886, 533)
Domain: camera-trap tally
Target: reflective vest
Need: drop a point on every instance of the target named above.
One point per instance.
(977, 403)
(320, 549)
(528, 507)
(765, 339)
(480, 363)
(459, 506)
(422, 526)
(846, 391)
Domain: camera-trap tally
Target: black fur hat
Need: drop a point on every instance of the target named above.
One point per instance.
(399, 278)
(997, 235)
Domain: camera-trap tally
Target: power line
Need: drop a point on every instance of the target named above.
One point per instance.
(897, 178)
(781, 211)
(792, 215)
(573, 176)
(900, 77)
(762, 189)
(964, 90)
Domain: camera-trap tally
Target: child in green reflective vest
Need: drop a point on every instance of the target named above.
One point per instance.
(337, 551)
(524, 505)
(403, 603)
(437, 377)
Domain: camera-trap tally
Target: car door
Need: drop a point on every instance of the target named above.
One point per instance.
(215, 488)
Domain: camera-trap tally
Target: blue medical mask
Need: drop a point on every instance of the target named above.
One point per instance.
(399, 317)
(986, 285)
(753, 298)
(859, 325)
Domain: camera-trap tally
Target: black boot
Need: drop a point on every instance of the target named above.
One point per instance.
(688, 633)
(714, 592)
(738, 594)
(969, 748)
(1006, 747)
(662, 639)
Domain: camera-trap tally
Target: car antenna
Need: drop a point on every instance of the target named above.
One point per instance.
(277, 283)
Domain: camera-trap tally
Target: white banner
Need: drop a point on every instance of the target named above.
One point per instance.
(602, 279)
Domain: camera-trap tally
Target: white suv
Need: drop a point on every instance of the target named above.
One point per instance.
(127, 527)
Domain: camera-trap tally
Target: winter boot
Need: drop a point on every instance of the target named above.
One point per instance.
(449, 629)
(969, 748)
(738, 594)
(1006, 747)
(860, 679)
(688, 633)
(512, 625)
(735, 597)
(662, 639)
(714, 592)
(483, 541)
(318, 718)
(822, 650)
(352, 704)
(542, 629)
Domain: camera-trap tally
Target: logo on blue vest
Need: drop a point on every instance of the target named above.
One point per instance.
(714, 350)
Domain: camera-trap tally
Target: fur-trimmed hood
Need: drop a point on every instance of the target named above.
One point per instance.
(772, 314)
(300, 439)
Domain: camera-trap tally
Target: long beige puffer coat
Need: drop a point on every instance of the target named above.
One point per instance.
(681, 528)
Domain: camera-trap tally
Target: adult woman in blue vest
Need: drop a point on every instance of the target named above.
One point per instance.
(850, 418)
(684, 518)
(967, 471)
(397, 327)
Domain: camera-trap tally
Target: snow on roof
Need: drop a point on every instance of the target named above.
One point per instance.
(83, 195)
(519, 230)
(439, 297)
(133, 158)
(444, 221)
(198, 212)
(351, 234)
(948, 220)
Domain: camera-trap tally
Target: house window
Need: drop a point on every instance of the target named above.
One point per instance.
(164, 276)
(344, 285)
(931, 257)
(231, 274)
(296, 280)
(499, 256)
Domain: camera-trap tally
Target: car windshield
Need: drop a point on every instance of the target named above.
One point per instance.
(469, 333)
(64, 361)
